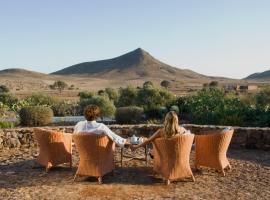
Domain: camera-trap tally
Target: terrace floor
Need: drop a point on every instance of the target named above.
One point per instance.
(21, 178)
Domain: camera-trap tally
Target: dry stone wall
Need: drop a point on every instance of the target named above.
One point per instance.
(244, 137)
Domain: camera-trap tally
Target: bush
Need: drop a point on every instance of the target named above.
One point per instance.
(175, 109)
(8, 99)
(128, 115)
(3, 89)
(7, 125)
(86, 95)
(38, 99)
(103, 102)
(127, 96)
(36, 116)
(65, 108)
(156, 113)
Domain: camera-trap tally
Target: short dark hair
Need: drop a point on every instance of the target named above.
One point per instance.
(91, 112)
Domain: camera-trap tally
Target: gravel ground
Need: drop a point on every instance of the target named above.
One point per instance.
(22, 178)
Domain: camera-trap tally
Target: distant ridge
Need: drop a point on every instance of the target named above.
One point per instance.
(20, 72)
(259, 76)
(132, 65)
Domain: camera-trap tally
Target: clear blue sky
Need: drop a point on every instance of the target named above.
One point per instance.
(220, 37)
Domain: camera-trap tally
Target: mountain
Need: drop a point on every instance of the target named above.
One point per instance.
(259, 76)
(21, 72)
(133, 65)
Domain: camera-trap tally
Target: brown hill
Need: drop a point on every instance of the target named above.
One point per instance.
(136, 64)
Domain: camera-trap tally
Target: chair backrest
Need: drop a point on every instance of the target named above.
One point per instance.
(223, 140)
(92, 146)
(171, 155)
(215, 141)
(53, 144)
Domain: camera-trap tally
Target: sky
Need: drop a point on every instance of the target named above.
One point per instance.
(229, 38)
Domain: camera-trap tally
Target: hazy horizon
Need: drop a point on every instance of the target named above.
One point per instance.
(215, 38)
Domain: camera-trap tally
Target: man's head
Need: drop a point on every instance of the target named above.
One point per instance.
(91, 112)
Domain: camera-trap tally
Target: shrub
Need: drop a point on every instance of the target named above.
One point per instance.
(112, 94)
(152, 98)
(59, 85)
(86, 94)
(103, 102)
(65, 108)
(7, 124)
(36, 116)
(3, 89)
(129, 115)
(127, 96)
(39, 99)
(156, 113)
(175, 109)
(8, 99)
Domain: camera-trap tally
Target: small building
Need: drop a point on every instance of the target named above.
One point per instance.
(247, 88)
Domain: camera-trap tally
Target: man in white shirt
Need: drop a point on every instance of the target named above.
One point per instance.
(90, 125)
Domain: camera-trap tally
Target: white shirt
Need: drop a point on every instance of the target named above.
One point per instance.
(98, 128)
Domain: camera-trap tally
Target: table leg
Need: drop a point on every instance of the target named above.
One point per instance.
(146, 157)
(121, 157)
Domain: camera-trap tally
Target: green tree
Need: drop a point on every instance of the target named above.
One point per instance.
(127, 96)
(59, 85)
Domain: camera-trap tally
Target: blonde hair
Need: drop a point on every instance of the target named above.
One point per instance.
(171, 126)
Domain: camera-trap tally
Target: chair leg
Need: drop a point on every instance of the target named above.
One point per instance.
(74, 179)
(223, 172)
(70, 164)
(193, 178)
(229, 166)
(100, 180)
(168, 182)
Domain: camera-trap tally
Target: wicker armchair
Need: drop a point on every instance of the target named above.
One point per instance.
(96, 155)
(211, 150)
(171, 157)
(54, 147)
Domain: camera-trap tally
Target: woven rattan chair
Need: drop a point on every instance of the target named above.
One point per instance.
(96, 155)
(171, 157)
(54, 147)
(211, 150)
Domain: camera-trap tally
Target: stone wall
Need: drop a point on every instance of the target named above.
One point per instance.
(255, 138)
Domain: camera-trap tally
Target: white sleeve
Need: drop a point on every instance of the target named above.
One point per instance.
(77, 127)
(114, 137)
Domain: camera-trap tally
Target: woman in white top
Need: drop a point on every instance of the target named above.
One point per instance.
(90, 125)
(171, 128)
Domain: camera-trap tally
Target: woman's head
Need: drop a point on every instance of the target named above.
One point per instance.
(171, 126)
(91, 112)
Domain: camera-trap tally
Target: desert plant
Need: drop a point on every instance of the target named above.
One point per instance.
(8, 99)
(112, 94)
(165, 84)
(86, 94)
(3, 89)
(175, 109)
(127, 96)
(59, 85)
(39, 99)
(36, 116)
(65, 108)
(128, 115)
(7, 124)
